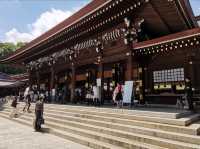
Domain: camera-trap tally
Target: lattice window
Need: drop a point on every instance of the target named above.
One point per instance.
(170, 75)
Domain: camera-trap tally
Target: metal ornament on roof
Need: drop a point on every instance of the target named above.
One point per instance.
(72, 55)
(130, 31)
(113, 35)
(168, 46)
(99, 46)
(84, 45)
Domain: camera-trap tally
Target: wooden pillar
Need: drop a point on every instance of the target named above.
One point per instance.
(73, 81)
(52, 80)
(30, 78)
(38, 79)
(101, 72)
(146, 83)
(129, 63)
(189, 68)
(191, 73)
(129, 67)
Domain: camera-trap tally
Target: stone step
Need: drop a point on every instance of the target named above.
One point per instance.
(134, 116)
(78, 121)
(192, 129)
(119, 123)
(180, 122)
(156, 112)
(89, 141)
(106, 134)
(91, 124)
(139, 119)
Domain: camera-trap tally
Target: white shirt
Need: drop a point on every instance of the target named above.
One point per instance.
(26, 92)
(95, 91)
(53, 92)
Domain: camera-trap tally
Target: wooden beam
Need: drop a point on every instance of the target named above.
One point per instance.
(73, 80)
(165, 22)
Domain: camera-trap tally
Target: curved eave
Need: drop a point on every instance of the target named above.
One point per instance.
(81, 14)
(182, 6)
(187, 11)
(10, 83)
(167, 39)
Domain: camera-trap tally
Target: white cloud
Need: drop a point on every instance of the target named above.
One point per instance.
(45, 21)
(15, 36)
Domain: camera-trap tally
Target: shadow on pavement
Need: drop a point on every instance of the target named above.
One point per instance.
(45, 130)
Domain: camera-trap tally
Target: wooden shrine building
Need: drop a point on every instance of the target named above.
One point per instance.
(155, 43)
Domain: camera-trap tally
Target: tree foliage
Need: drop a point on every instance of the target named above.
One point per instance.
(7, 49)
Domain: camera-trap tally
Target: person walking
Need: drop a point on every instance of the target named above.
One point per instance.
(27, 103)
(14, 111)
(189, 93)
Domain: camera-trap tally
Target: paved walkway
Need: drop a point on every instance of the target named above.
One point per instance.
(17, 136)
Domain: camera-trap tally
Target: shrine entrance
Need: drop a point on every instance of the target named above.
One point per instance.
(113, 73)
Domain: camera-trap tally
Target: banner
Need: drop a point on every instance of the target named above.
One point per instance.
(98, 82)
(128, 92)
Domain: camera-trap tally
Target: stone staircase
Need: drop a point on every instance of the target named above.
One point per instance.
(106, 128)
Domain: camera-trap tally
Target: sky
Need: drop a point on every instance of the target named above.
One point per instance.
(24, 20)
(195, 4)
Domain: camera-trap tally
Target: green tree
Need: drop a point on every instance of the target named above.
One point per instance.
(5, 50)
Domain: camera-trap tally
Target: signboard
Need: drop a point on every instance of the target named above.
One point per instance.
(98, 82)
(128, 92)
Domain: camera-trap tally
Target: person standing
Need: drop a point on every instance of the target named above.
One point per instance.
(39, 108)
(64, 90)
(95, 96)
(117, 95)
(189, 93)
(35, 94)
(53, 95)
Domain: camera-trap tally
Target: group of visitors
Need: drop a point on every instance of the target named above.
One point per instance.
(59, 95)
(118, 95)
(93, 95)
(27, 98)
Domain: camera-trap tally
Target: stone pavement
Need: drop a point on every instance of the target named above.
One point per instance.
(17, 136)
